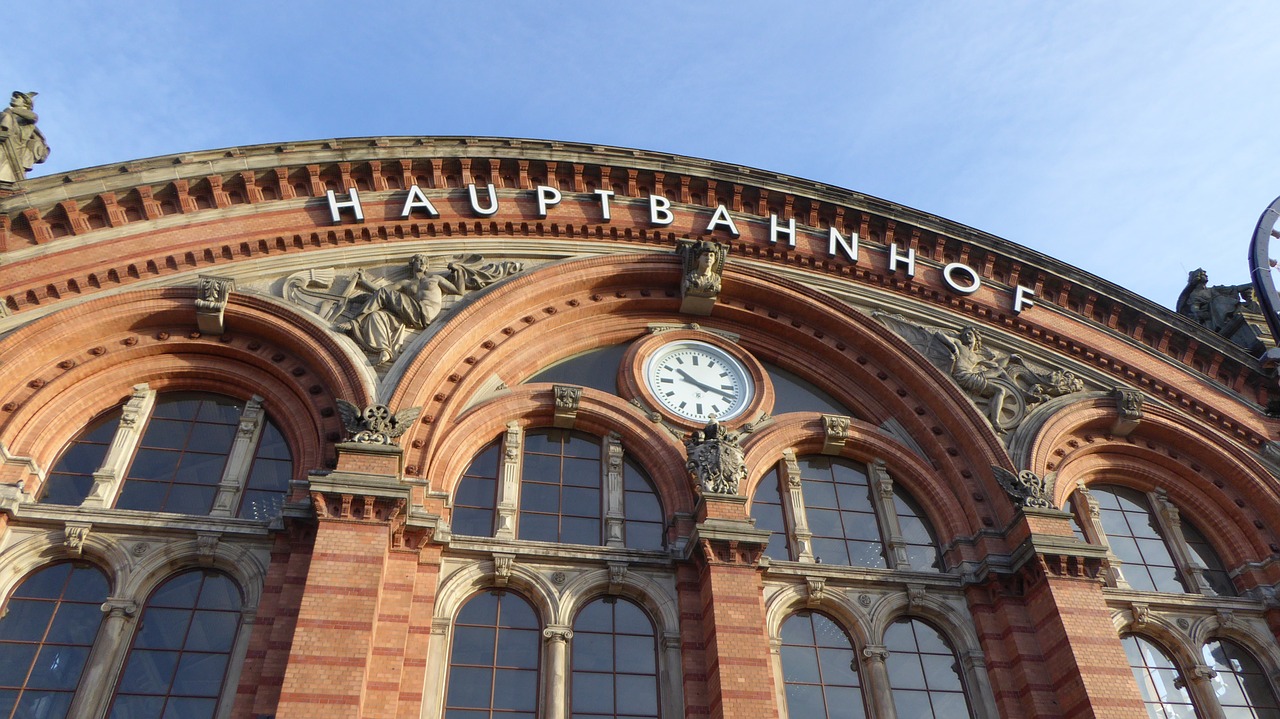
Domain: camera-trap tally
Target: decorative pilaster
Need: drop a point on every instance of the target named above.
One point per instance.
(887, 513)
(1193, 573)
(797, 519)
(509, 489)
(239, 459)
(614, 516)
(106, 481)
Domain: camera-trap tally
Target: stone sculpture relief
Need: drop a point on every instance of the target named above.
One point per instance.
(380, 313)
(375, 424)
(1003, 384)
(703, 264)
(716, 460)
(22, 145)
(1026, 488)
(1229, 310)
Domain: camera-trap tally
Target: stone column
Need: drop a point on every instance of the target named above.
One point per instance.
(614, 516)
(887, 514)
(797, 519)
(236, 471)
(107, 658)
(1199, 681)
(557, 679)
(106, 481)
(875, 681)
(509, 489)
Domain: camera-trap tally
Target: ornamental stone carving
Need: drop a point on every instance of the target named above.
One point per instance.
(715, 458)
(375, 424)
(1004, 385)
(74, 534)
(1128, 411)
(212, 295)
(380, 313)
(22, 145)
(1026, 488)
(1229, 310)
(567, 399)
(702, 263)
(835, 431)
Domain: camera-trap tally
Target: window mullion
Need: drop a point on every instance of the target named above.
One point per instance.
(796, 519)
(110, 476)
(1171, 527)
(887, 514)
(615, 515)
(239, 460)
(1089, 510)
(509, 488)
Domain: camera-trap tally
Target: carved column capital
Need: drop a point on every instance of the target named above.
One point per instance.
(119, 607)
(875, 653)
(557, 634)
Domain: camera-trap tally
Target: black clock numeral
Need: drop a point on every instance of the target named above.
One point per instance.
(699, 405)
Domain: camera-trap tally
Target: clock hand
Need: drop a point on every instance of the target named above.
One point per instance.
(701, 386)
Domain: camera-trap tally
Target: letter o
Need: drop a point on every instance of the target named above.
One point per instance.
(974, 280)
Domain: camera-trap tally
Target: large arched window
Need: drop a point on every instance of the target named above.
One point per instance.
(47, 631)
(1163, 690)
(493, 665)
(819, 669)
(562, 495)
(847, 514)
(1154, 557)
(1241, 686)
(181, 649)
(615, 662)
(924, 673)
(198, 453)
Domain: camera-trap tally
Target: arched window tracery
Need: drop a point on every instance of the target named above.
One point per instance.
(614, 662)
(1159, 680)
(1240, 685)
(924, 672)
(197, 453)
(820, 668)
(495, 660)
(844, 513)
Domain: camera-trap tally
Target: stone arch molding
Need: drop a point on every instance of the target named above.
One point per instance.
(528, 320)
(65, 369)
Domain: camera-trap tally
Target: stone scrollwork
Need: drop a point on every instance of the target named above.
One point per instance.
(375, 424)
(1026, 488)
(212, 295)
(379, 313)
(702, 263)
(1004, 384)
(715, 457)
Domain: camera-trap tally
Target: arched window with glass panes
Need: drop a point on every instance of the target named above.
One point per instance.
(573, 488)
(1156, 549)
(1231, 682)
(180, 452)
(834, 510)
(826, 676)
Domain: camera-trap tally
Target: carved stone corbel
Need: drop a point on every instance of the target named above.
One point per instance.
(502, 564)
(1141, 615)
(815, 591)
(1128, 411)
(617, 573)
(206, 548)
(835, 432)
(212, 295)
(702, 263)
(567, 399)
(73, 536)
(916, 594)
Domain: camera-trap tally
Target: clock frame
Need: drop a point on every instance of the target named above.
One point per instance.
(662, 386)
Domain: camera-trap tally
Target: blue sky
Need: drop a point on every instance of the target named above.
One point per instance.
(1134, 140)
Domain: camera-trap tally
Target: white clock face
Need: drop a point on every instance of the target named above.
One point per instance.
(696, 381)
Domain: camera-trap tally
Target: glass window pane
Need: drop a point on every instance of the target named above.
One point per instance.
(482, 678)
(816, 656)
(924, 672)
(616, 670)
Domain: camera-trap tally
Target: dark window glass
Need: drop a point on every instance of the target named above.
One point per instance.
(766, 509)
(48, 628)
(560, 488)
(477, 494)
(615, 662)
(267, 485)
(1134, 537)
(1211, 564)
(820, 669)
(838, 505)
(181, 456)
(1159, 680)
(597, 368)
(72, 476)
(493, 665)
(181, 647)
(792, 394)
(1241, 686)
(644, 524)
(924, 674)
(922, 548)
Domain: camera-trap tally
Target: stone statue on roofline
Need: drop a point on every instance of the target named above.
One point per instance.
(1228, 310)
(22, 145)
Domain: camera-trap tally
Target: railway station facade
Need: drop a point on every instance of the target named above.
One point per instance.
(478, 427)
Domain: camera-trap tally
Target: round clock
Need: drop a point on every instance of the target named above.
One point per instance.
(696, 380)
